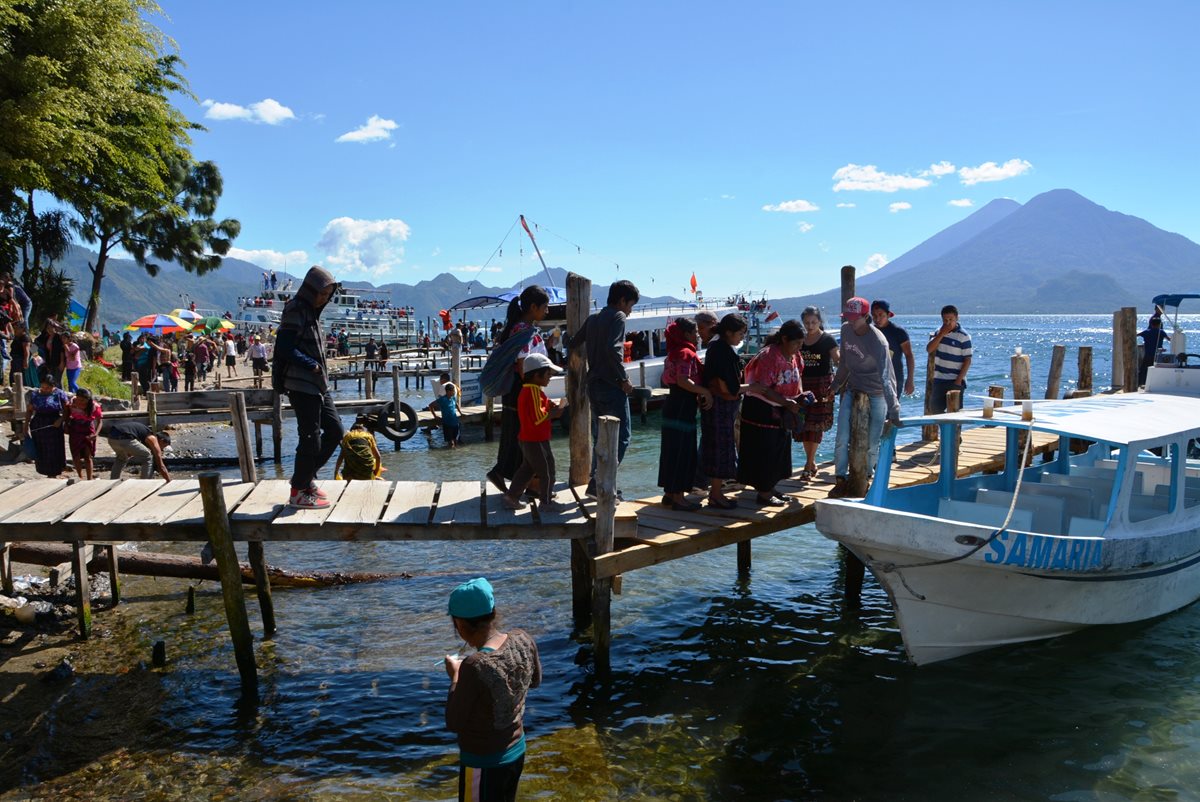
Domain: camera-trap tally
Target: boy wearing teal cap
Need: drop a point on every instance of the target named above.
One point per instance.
(486, 703)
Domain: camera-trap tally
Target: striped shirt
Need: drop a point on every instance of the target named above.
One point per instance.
(948, 359)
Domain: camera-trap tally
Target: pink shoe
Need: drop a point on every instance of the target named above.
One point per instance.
(304, 500)
(316, 491)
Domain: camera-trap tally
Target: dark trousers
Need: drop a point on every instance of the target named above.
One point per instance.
(609, 400)
(320, 430)
(496, 784)
(538, 460)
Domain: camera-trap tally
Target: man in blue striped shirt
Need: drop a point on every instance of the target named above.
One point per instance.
(951, 349)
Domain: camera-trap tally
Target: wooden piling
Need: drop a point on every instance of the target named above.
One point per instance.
(606, 514)
(368, 383)
(80, 554)
(1084, 383)
(929, 432)
(114, 573)
(190, 607)
(216, 523)
(152, 411)
(277, 427)
(489, 415)
(1054, 379)
(857, 481)
(1129, 350)
(1019, 365)
(579, 295)
(996, 391)
(258, 439)
(396, 395)
(6, 576)
(256, 551)
(135, 387)
(847, 284)
(953, 400)
(456, 364)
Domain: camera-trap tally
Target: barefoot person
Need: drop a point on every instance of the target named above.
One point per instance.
(299, 371)
(486, 703)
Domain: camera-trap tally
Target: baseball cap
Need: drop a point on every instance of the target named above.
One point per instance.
(855, 308)
(472, 599)
(538, 361)
(884, 305)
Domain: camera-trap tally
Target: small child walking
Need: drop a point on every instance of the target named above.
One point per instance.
(83, 424)
(189, 372)
(447, 405)
(535, 411)
(359, 458)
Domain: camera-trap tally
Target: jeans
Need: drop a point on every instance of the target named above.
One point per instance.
(73, 379)
(320, 430)
(875, 431)
(937, 403)
(608, 400)
(130, 452)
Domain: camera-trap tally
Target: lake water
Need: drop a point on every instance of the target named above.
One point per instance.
(720, 688)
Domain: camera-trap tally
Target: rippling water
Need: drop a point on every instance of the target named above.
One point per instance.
(723, 689)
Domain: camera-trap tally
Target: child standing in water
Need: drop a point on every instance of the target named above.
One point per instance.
(447, 405)
(83, 424)
(535, 411)
(359, 458)
(486, 703)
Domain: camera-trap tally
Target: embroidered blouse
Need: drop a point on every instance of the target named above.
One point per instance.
(772, 369)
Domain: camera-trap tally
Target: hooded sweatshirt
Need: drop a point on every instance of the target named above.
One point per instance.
(300, 344)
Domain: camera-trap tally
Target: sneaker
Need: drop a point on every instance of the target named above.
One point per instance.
(552, 506)
(316, 491)
(304, 500)
(512, 503)
(840, 489)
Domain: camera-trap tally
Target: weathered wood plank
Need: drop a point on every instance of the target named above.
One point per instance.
(315, 517)
(52, 509)
(362, 502)
(267, 500)
(499, 515)
(411, 503)
(162, 504)
(21, 496)
(458, 503)
(192, 513)
(571, 514)
(113, 503)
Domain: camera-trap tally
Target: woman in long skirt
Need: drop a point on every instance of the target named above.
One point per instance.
(819, 354)
(682, 373)
(44, 422)
(523, 338)
(723, 378)
(774, 376)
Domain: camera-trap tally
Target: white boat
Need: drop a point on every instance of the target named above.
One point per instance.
(1176, 372)
(361, 312)
(1107, 536)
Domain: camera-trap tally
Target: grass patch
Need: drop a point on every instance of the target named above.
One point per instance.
(104, 382)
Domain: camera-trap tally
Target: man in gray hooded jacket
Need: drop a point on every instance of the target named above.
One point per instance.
(299, 370)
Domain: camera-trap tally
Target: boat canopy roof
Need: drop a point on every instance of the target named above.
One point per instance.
(1122, 419)
(557, 296)
(1174, 299)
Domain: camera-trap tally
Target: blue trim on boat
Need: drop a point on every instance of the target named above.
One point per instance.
(1124, 577)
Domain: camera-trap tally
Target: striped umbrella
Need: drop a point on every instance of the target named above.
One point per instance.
(186, 314)
(159, 324)
(214, 323)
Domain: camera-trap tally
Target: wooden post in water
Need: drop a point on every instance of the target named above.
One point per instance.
(929, 432)
(643, 397)
(80, 554)
(579, 296)
(396, 396)
(258, 439)
(489, 422)
(135, 387)
(114, 574)
(152, 411)
(996, 391)
(847, 284)
(6, 576)
(257, 555)
(1084, 385)
(1054, 380)
(953, 400)
(1129, 349)
(857, 481)
(216, 523)
(368, 388)
(277, 427)
(1021, 391)
(456, 365)
(606, 514)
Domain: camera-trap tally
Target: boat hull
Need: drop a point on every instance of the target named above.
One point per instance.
(1021, 587)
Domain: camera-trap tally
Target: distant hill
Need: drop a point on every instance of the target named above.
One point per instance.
(1060, 252)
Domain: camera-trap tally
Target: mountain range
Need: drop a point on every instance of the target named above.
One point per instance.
(1057, 253)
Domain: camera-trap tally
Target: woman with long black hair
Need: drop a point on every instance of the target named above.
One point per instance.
(519, 338)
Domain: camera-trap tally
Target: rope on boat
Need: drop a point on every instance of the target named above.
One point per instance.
(889, 567)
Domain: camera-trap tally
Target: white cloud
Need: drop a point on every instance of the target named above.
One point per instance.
(990, 171)
(804, 227)
(437, 251)
(793, 206)
(899, 206)
(728, 197)
(269, 111)
(363, 246)
(824, 246)
(940, 169)
(295, 261)
(874, 262)
(374, 130)
(963, 202)
(475, 269)
(847, 205)
(868, 178)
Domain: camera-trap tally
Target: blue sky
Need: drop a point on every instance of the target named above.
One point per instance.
(760, 145)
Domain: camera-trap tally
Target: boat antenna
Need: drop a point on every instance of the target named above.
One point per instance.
(538, 251)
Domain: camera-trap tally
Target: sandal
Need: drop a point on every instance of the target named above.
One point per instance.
(687, 506)
(722, 503)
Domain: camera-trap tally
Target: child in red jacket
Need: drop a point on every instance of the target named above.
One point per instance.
(535, 412)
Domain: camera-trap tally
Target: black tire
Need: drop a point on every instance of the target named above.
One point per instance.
(406, 422)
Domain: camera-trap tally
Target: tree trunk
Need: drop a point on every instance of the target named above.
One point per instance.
(93, 308)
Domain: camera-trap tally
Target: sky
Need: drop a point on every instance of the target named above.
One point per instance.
(760, 145)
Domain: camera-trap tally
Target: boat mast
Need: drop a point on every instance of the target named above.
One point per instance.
(537, 250)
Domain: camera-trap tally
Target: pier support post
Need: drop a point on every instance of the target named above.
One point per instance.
(277, 427)
(256, 553)
(80, 554)
(847, 284)
(1084, 384)
(258, 439)
(996, 391)
(396, 395)
(152, 411)
(1127, 345)
(19, 405)
(1054, 380)
(114, 574)
(858, 479)
(489, 423)
(216, 523)
(929, 432)
(579, 294)
(6, 578)
(135, 387)
(1021, 391)
(456, 365)
(606, 514)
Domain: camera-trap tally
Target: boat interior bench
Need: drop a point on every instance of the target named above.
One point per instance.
(983, 514)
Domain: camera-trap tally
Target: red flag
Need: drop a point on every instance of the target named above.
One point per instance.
(772, 316)
(525, 226)
(693, 282)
